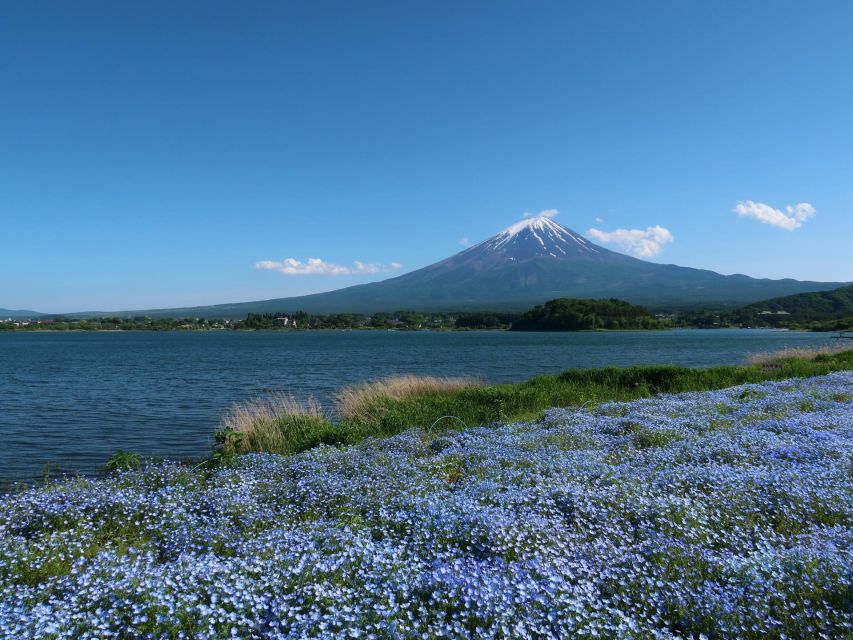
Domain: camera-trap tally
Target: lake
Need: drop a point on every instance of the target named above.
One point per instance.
(69, 400)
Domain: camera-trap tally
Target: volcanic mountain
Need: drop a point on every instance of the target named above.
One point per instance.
(534, 260)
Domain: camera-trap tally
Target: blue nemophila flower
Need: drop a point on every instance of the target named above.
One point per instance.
(726, 514)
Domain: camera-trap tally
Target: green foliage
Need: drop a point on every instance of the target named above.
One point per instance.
(284, 435)
(647, 438)
(293, 433)
(840, 324)
(406, 320)
(227, 442)
(123, 461)
(136, 323)
(566, 314)
(818, 311)
(818, 305)
(526, 400)
(485, 320)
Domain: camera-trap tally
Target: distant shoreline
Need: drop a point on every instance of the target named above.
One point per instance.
(426, 330)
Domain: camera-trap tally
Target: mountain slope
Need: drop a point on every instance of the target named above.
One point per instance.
(528, 263)
(18, 314)
(802, 307)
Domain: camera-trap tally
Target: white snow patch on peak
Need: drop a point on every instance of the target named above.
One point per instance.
(544, 230)
(542, 222)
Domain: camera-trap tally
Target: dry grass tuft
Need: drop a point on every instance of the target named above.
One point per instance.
(808, 353)
(362, 402)
(276, 423)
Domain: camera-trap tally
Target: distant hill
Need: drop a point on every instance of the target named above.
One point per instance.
(526, 264)
(18, 314)
(801, 309)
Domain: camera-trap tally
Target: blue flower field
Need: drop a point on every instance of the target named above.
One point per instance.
(725, 514)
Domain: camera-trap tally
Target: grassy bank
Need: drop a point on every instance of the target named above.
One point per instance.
(388, 407)
(718, 515)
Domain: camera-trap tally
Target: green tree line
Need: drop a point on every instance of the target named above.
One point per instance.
(566, 314)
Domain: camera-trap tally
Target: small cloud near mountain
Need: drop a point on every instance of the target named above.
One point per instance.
(790, 219)
(316, 266)
(465, 242)
(547, 213)
(636, 242)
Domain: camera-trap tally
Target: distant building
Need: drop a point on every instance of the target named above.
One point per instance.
(282, 321)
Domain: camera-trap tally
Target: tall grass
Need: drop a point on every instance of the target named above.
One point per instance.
(368, 402)
(392, 405)
(277, 424)
(775, 357)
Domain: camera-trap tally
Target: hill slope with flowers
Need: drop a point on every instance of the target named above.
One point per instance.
(722, 514)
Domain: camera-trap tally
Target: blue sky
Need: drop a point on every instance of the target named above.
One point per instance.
(152, 154)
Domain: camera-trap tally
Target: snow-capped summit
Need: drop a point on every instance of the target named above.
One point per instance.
(538, 236)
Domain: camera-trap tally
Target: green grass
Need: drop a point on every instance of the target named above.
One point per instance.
(483, 405)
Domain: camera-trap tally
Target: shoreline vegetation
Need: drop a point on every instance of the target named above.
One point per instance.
(824, 311)
(555, 315)
(279, 424)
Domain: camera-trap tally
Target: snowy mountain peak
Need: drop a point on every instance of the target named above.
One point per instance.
(538, 236)
(541, 223)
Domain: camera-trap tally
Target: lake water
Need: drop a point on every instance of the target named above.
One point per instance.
(69, 400)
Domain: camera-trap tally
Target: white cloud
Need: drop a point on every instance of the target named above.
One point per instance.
(316, 266)
(546, 213)
(599, 220)
(465, 242)
(790, 219)
(637, 242)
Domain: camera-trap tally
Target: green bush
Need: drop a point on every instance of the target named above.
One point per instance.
(123, 461)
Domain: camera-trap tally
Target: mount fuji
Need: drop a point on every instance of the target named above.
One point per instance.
(534, 260)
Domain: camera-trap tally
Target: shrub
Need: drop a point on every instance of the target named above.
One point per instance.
(123, 461)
